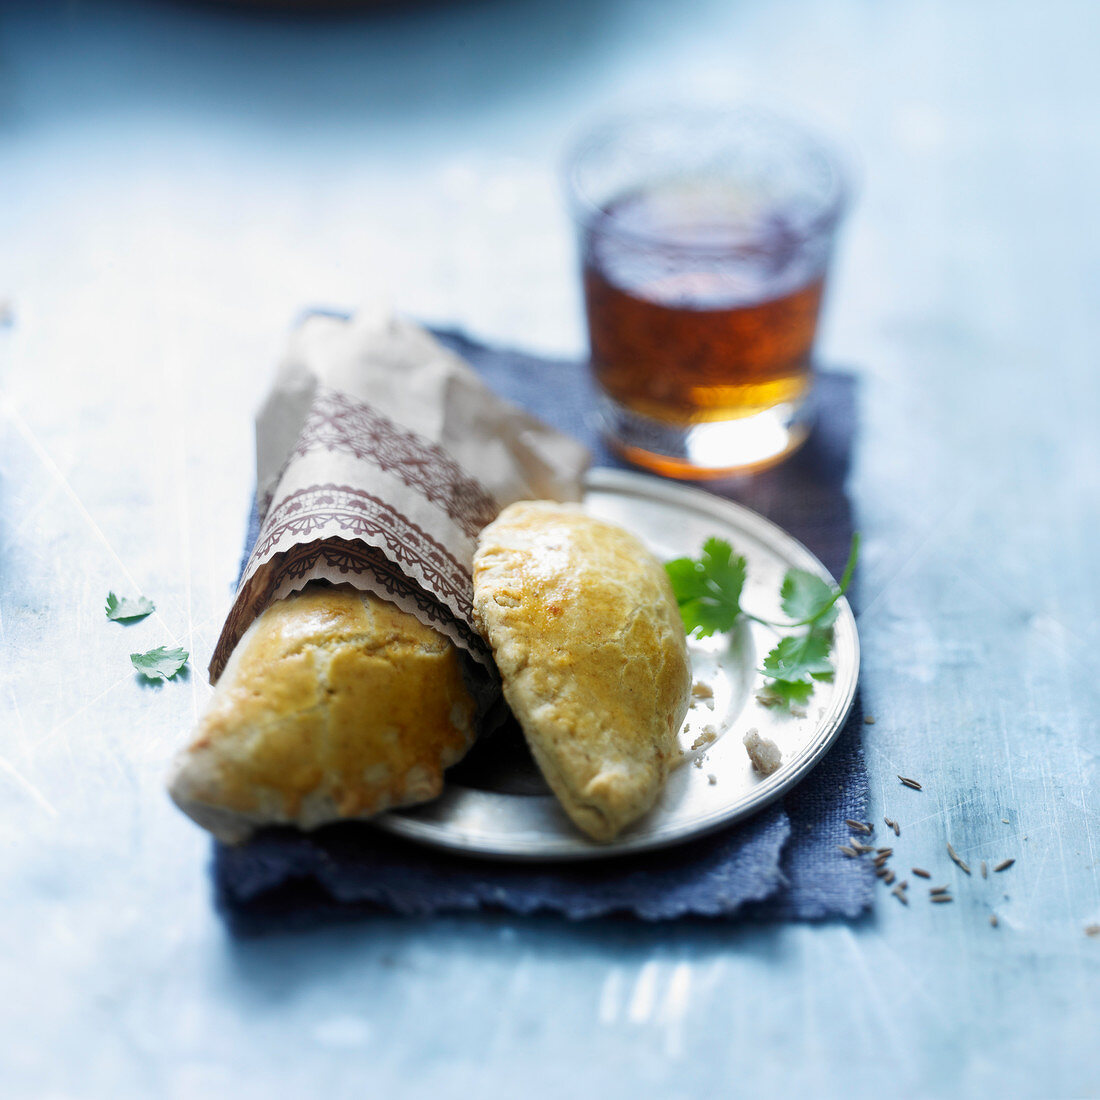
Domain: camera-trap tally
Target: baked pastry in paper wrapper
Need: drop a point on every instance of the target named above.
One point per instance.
(348, 666)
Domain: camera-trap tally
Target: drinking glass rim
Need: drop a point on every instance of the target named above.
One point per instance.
(586, 210)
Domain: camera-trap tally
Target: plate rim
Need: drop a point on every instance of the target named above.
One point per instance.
(609, 479)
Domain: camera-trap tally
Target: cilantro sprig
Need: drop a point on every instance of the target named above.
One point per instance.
(708, 591)
(160, 663)
(122, 609)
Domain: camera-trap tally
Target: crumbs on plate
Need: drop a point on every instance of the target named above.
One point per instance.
(763, 753)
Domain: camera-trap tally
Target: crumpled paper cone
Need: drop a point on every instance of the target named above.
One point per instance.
(380, 456)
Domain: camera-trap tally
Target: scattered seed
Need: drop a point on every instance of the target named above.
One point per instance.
(904, 884)
(993, 919)
(1006, 821)
(910, 783)
(942, 897)
(868, 719)
(1004, 865)
(899, 893)
(939, 890)
(858, 826)
(888, 877)
(1092, 929)
(882, 872)
(861, 848)
(885, 851)
(891, 824)
(985, 870)
(851, 853)
(957, 859)
(880, 861)
(920, 872)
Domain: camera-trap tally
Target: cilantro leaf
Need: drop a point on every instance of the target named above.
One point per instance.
(808, 600)
(800, 655)
(122, 608)
(708, 591)
(159, 663)
(689, 580)
(785, 693)
(726, 569)
(805, 596)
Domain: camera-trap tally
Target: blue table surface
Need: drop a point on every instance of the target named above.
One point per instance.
(181, 179)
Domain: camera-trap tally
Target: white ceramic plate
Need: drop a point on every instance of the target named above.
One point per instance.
(509, 813)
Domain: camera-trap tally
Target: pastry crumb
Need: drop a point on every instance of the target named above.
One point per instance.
(707, 737)
(702, 693)
(712, 778)
(764, 754)
(697, 762)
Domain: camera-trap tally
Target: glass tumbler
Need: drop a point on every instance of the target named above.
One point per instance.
(705, 238)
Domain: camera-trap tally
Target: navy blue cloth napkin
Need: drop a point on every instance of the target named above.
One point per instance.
(783, 864)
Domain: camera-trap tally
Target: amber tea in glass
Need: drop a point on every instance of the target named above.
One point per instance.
(704, 241)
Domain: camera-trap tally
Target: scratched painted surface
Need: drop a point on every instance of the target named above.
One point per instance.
(178, 182)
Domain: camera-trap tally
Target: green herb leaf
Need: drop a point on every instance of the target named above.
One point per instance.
(122, 608)
(785, 693)
(708, 591)
(159, 663)
(800, 655)
(805, 596)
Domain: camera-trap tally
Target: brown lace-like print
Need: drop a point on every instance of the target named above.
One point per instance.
(352, 559)
(359, 513)
(337, 422)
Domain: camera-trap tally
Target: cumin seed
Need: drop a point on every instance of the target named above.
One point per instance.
(899, 893)
(888, 877)
(885, 851)
(920, 872)
(912, 783)
(985, 870)
(939, 889)
(956, 858)
(942, 897)
(891, 824)
(857, 826)
(880, 860)
(851, 853)
(882, 872)
(1004, 865)
(993, 919)
(1092, 929)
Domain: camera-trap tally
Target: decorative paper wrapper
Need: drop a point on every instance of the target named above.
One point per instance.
(380, 455)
